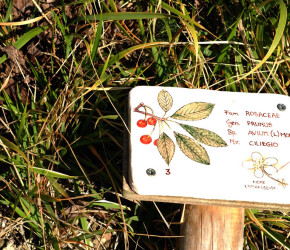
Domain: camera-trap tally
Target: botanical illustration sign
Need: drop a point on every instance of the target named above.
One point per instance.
(193, 111)
(210, 144)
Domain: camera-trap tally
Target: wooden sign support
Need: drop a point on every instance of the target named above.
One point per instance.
(218, 152)
(212, 228)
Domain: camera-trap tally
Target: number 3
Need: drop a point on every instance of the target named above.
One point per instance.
(167, 171)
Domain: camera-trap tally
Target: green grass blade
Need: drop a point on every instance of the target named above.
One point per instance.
(28, 36)
(8, 13)
(279, 33)
(180, 15)
(57, 186)
(22, 124)
(125, 52)
(225, 48)
(97, 39)
(118, 16)
(25, 39)
(13, 147)
(50, 173)
(23, 215)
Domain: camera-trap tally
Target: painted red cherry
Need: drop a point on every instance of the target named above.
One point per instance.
(155, 142)
(142, 123)
(151, 121)
(146, 139)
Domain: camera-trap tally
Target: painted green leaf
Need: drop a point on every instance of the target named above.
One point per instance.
(166, 147)
(194, 111)
(205, 136)
(165, 100)
(192, 149)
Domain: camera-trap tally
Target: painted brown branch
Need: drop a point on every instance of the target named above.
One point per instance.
(284, 184)
(142, 105)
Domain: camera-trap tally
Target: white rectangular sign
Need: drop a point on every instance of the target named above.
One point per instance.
(210, 144)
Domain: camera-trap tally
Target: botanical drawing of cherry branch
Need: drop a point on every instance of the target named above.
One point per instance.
(191, 147)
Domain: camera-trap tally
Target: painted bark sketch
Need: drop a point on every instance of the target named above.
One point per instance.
(190, 146)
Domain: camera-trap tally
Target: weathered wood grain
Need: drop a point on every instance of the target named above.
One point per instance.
(212, 228)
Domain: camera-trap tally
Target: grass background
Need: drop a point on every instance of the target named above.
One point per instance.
(66, 68)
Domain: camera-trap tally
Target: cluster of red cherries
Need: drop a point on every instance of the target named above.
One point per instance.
(146, 139)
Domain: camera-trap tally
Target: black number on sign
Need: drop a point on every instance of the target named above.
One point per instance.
(167, 171)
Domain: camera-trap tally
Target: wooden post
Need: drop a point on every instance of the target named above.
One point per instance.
(212, 228)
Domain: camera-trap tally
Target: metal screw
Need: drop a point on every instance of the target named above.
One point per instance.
(281, 107)
(150, 172)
